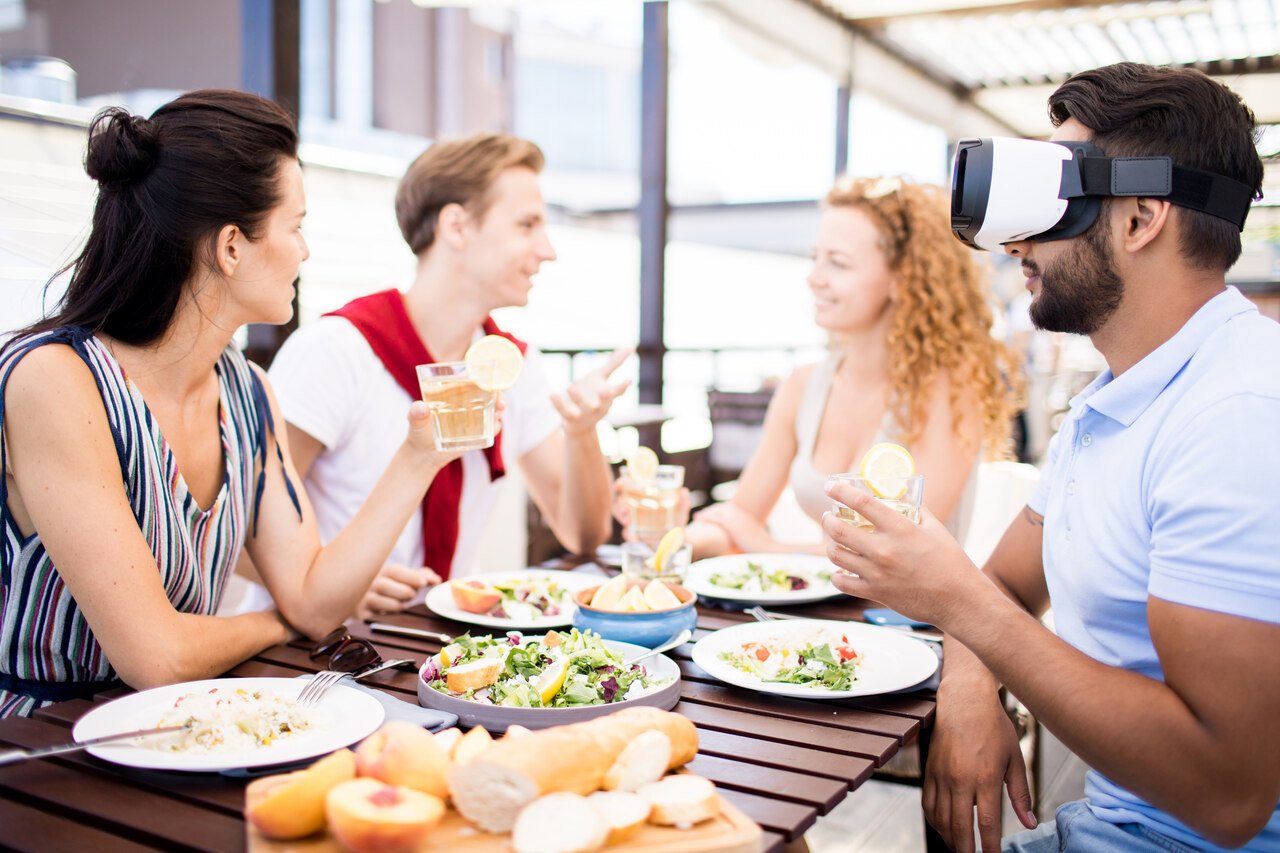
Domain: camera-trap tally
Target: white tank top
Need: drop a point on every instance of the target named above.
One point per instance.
(807, 483)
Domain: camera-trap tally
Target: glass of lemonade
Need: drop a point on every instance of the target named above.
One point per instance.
(653, 504)
(903, 494)
(462, 413)
(638, 561)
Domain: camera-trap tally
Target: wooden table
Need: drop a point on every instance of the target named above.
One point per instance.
(784, 762)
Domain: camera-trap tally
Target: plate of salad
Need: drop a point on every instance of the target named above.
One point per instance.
(537, 681)
(815, 658)
(532, 599)
(763, 578)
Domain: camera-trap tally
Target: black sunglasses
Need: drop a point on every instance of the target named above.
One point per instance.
(346, 653)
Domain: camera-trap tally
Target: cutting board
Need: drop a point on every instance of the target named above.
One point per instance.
(728, 832)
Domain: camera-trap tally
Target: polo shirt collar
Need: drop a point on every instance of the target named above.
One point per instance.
(1123, 399)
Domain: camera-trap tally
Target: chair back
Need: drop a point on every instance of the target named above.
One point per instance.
(1003, 490)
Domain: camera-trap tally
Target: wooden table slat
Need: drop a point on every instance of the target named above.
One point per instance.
(789, 819)
(739, 747)
(29, 829)
(834, 741)
(822, 794)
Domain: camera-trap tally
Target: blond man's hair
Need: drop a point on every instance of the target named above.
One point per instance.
(942, 317)
(458, 171)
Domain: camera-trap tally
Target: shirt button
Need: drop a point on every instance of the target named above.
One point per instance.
(1071, 487)
(1086, 439)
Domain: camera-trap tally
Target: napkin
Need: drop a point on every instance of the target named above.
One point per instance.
(398, 709)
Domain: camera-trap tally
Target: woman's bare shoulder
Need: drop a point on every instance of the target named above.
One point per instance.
(53, 373)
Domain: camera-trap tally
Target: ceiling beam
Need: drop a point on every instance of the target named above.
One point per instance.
(877, 20)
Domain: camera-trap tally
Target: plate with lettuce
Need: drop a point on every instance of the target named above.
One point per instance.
(536, 681)
(763, 578)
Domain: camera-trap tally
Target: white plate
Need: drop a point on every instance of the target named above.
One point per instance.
(344, 716)
(891, 661)
(698, 578)
(440, 600)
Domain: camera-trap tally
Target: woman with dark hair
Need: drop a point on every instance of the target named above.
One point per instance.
(140, 448)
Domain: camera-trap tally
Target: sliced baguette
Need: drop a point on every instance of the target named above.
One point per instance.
(642, 761)
(448, 739)
(622, 812)
(681, 800)
(491, 789)
(473, 675)
(559, 823)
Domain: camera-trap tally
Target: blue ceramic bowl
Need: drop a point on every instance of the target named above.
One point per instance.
(642, 629)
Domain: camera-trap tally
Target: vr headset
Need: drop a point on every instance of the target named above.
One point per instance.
(1005, 190)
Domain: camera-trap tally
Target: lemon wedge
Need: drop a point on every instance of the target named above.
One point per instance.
(494, 363)
(633, 602)
(669, 544)
(552, 680)
(659, 596)
(884, 467)
(608, 594)
(449, 654)
(642, 466)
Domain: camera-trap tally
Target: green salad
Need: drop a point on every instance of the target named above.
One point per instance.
(821, 662)
(560, 670)
(754, 577)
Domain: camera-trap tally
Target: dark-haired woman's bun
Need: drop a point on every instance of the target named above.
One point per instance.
(122, 148)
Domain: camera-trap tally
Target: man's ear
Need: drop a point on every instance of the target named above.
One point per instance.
(451, 225)
(1145, 219)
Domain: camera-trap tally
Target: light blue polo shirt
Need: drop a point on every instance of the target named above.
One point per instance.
(1163, 482)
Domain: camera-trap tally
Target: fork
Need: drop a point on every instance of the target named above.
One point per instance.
(320, 683)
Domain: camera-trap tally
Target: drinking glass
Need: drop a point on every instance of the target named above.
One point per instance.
(637, 562)
(903, 494)
(462, 413)
(653, 505)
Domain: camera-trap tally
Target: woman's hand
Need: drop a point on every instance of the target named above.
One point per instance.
(393, 589)
(588, 400)
(747, 533)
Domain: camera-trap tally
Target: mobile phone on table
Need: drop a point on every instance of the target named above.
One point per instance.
(885, 616)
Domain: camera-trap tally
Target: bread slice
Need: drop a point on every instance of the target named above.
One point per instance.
(448, 739)
(681, 800)
(559, 823)
(473, 675)
(622, 812)
(642, 761)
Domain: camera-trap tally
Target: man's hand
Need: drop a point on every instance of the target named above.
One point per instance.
(393, 589)
(588, 400)
(974, 754)
(917, 569)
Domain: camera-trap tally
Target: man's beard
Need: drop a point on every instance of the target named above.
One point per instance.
(1081, 289)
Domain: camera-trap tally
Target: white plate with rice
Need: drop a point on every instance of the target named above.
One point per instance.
(238, 723)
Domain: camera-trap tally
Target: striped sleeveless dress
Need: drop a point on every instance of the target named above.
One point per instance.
(47, 650)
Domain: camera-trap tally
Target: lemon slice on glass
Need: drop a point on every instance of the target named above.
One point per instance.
(667, 545)
(551, 680)
(884, 466)
(494, 363)
(642, 466)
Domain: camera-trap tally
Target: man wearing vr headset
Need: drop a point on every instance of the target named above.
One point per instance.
(1153, 531)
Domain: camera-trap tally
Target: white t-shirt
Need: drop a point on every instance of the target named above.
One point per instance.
(332, 386)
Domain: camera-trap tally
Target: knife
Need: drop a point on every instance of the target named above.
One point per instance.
(385, 628)
(13, 756)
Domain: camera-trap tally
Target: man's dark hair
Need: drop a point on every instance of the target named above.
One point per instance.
(1139, 110)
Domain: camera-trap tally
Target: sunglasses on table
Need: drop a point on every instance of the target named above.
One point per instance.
(349, 654)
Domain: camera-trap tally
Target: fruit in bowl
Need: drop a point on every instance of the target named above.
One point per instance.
(474, 595)
(630, 610)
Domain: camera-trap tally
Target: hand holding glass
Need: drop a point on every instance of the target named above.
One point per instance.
(462, 413)
(903, 494)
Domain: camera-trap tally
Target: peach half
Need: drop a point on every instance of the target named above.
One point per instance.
(291, 805)
(367, 816)
(401, 753)
(474, 595)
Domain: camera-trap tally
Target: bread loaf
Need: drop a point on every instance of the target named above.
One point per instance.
(559, 823)
(491, 789)
(681, 800)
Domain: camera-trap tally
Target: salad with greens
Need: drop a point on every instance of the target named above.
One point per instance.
(822, 661)
(754, 577)
(558, 670)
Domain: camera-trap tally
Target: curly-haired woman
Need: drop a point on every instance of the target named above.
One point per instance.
(912, 361)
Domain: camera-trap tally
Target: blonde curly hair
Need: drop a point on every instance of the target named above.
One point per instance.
(942, 319)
